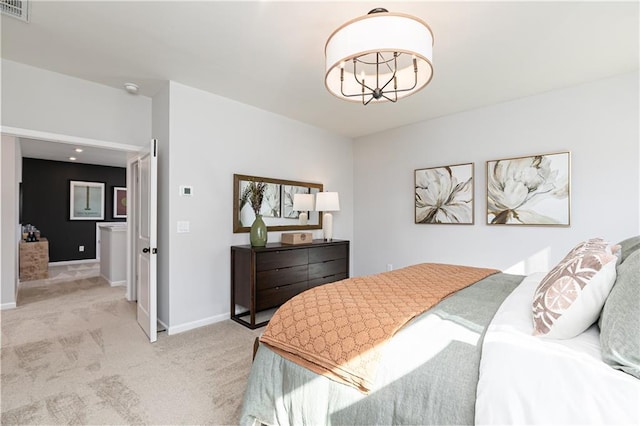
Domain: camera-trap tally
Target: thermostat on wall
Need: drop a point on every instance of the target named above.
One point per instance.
(186, 190)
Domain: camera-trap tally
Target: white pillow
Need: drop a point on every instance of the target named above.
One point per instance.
(570, 297)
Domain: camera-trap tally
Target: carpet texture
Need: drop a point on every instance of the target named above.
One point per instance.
(73, 353)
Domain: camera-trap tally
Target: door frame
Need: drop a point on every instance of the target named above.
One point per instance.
(74, 140)
(132, 220)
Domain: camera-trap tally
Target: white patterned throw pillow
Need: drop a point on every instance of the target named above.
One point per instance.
(570, 297)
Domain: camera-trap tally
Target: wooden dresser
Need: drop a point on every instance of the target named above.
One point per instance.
(266, 277)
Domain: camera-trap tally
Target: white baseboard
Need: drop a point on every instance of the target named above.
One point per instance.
(120, 283)
(195, 324)
(163, 325)
(73, 262)
(4, 306)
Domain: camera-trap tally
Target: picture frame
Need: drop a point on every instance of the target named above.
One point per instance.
(271, 201)
(288, 191)
(444, 195)
(533, 190)
(243, 215)
(86, 200)
(119, 202)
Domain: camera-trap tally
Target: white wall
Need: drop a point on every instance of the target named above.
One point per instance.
(161, 126)
(598, 122)
(36, 99)
(10, 177)
(211, 138)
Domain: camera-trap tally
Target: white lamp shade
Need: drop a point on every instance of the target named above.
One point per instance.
(303, 202)
(379, 32)
(327, 202)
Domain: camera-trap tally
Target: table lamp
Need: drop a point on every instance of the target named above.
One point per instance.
(327, 202)
(303, 203)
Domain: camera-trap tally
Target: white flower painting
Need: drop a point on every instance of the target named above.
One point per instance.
(271, 201)
(529, 190)
(444, 195)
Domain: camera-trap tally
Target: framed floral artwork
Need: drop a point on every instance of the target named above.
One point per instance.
(533, 190)
(444, 195)
(277, 204)
(271, 201)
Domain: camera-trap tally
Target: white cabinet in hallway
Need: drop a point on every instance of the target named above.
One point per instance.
(113, 253)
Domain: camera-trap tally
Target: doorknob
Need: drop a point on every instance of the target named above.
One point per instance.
(145, 250)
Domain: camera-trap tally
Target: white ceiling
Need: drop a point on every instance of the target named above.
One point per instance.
(57, 151)
(270, 54)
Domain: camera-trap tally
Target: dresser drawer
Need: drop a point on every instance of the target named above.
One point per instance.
(281, 259)
(322, 254)
(278, 295)
(324, 269)
(263, 278)
(325, 280)
(281, 276)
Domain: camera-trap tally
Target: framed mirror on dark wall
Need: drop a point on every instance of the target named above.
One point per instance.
(277, 208)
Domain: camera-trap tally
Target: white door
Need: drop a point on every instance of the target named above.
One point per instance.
(146, 241)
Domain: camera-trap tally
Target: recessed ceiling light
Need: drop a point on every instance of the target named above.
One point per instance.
(78, 149)
(72, 158)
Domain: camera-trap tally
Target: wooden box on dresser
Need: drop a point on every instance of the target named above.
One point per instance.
(266, 277)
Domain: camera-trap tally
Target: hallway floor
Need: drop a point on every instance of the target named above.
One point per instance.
(62, 273)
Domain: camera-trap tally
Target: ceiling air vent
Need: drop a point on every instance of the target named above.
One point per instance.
(17, 8)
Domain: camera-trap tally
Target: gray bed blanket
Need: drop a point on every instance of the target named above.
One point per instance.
(428, 372)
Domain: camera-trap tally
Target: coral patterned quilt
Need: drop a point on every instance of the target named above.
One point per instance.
(339, 329)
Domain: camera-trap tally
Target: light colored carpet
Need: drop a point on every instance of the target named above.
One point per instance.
(73, 353)
(61, 273)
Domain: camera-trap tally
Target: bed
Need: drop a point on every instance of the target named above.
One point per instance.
(473, 358)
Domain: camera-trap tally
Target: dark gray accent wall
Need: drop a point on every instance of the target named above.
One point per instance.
(45, 204)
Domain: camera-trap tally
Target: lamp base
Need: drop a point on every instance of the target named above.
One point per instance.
(303, 218)
(327, 226)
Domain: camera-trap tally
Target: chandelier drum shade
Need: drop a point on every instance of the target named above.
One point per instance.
(379, 57)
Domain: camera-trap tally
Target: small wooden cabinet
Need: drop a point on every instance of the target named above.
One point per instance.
(34, 260)
(266, 277)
